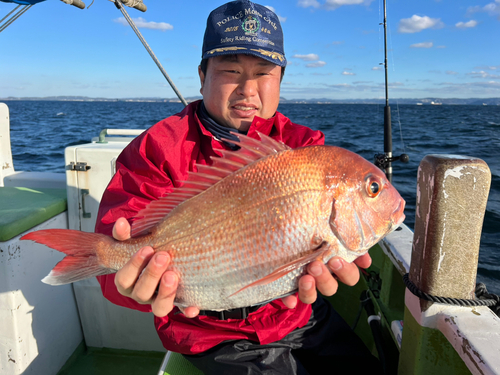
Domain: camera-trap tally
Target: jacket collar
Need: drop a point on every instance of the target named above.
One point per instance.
(271, 127)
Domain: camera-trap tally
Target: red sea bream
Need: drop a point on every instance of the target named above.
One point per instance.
(240, 232)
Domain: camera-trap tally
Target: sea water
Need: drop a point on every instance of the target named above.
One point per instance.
(40, 130)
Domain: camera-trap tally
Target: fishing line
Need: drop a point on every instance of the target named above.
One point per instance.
(380, 48)
(394, 70)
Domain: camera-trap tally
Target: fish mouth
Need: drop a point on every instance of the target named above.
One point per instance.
(398, 215)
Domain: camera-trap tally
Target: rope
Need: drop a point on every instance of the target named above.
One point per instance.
(483, 297)
(482, 294)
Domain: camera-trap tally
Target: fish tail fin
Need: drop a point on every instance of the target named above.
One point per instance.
(81, 261)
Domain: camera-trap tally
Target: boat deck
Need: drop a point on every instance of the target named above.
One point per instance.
(96, 361)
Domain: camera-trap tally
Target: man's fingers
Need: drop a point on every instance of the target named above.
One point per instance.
(347, 273)
(307, 289)
(325, 282)
(290, 301)
(145, 287)
(145, 279)
(121, 229)
(191, 311)
(364, 261)
(126, 277)
(319, 277)
(164, 301)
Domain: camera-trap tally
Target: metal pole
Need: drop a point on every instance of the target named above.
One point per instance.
(14, 17)
(12, 11)
(387, 109)
(120, 6)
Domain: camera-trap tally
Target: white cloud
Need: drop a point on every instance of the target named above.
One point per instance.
(483, 74)
(416, 24)
(308, 3)
(493, 9)
(331, 4)
(488, 67)
(282, 19)
(479, 88)
(308, 57)
(469, 88)
(377, 68)
(334, 4)
(317, 64)
(422, 45)
(466, 25)
(451, 72)
(344, 73)
(141, 23)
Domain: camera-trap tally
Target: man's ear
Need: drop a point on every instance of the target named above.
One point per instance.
(202, 79)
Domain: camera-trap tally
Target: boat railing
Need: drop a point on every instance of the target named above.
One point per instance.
(126, 132)
(9, 176)
(441, 260)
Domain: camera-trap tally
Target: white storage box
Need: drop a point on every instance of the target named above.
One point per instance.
(89, 168)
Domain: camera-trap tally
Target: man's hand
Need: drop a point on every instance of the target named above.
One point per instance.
(145, 273)
(145, 278)
(319, 277)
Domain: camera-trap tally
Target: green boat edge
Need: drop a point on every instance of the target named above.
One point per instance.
(386, 289)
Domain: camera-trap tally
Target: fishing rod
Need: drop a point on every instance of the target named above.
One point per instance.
(140, 6)
(384, 161)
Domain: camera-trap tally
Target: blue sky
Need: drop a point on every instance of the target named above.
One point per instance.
(437, 48)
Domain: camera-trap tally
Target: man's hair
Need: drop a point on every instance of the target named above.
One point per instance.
(204, 64)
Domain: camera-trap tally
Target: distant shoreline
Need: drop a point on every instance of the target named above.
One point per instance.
(425, 101)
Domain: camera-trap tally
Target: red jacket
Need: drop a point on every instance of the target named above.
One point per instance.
(148, 168)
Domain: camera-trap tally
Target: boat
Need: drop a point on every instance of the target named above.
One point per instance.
(73, 329)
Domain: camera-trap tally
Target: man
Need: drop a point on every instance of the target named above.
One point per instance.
(242, 66)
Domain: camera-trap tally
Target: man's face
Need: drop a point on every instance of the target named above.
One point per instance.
(236, 88)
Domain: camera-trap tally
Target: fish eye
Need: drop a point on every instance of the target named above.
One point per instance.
(373, 187)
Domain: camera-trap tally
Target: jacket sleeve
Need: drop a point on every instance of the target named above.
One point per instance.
(137, 181)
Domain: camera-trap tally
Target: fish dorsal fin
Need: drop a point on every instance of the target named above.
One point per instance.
(206, 176)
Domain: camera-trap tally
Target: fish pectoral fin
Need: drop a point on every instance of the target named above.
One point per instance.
(317, 254)
(347, 225)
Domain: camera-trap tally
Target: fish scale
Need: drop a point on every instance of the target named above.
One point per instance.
(281, 196)
(239, 236)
